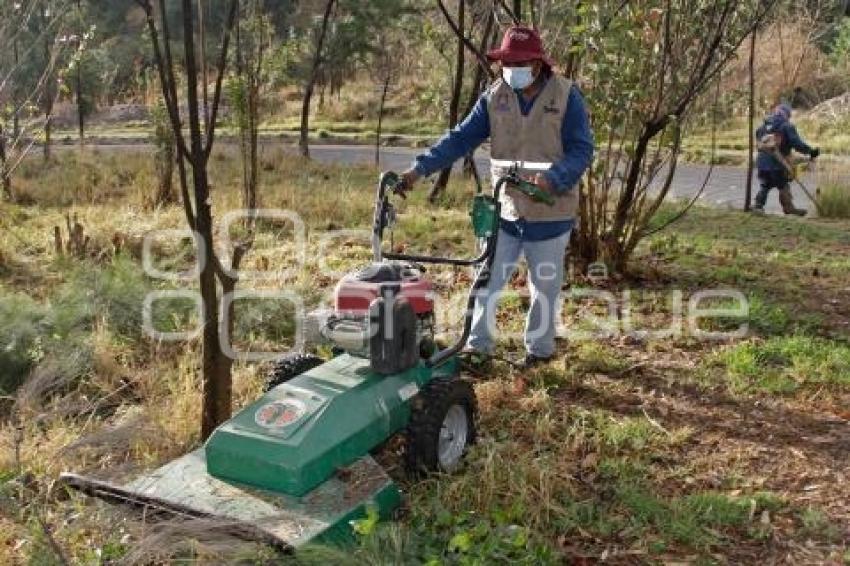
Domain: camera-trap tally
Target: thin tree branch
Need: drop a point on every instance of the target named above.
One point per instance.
(482, 60)
(220, 67)
(508, 11)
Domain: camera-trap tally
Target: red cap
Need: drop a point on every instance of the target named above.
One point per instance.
(519, 44)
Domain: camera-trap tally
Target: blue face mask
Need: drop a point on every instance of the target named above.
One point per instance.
(518, 78)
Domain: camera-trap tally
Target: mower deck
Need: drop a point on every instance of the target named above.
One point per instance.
(184, 488)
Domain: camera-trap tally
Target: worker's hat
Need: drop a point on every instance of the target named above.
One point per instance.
(520, 44)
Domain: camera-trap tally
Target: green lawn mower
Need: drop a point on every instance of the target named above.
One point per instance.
(295, 466)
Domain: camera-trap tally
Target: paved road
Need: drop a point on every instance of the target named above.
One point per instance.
(725, 186)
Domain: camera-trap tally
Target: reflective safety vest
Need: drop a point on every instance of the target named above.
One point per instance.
(531, 143)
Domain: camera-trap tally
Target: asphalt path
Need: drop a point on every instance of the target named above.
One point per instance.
(724, 185)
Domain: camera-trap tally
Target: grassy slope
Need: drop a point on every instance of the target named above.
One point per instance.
(635, 450)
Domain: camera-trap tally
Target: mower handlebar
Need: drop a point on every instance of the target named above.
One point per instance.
(385, 215)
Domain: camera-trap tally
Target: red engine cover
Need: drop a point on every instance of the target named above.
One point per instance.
(353, 294)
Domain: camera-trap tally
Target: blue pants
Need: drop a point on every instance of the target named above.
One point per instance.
(545, 260)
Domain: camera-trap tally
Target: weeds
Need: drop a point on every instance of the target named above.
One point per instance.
(786, 364)
(563, 471)
(816, 524)
(834, 200)
(20, 339)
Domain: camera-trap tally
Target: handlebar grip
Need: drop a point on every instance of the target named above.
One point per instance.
(535, 192)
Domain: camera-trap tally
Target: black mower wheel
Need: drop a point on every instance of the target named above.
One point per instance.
(442, 426)
(290, 366)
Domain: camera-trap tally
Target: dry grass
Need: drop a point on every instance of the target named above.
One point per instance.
(632, 450)
(833, 200)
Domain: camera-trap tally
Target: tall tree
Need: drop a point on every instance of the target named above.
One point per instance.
(252, 43)
(81, 125)
(387, 69)
(48, 97)
(27, 78)
(193, 155)
(751, 114)
(457, 88)
(315, 67)
(651, 61)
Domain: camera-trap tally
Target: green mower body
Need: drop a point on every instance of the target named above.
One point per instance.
(298, 434)
(293, 467)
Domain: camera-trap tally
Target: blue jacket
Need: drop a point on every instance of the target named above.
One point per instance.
(563, 175)
(778, 123)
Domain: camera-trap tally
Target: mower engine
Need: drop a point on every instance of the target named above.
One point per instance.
(384, 312)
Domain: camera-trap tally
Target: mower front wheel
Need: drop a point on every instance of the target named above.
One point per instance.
(289, 366)
(442, 426)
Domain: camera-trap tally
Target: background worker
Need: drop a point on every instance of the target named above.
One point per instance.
(775, 140)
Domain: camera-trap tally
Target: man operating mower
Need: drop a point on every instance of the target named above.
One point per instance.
(538, 125)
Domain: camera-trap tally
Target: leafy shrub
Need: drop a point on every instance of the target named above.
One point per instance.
(58, 333)
(114, 292)
(20, 339)
(840, 49)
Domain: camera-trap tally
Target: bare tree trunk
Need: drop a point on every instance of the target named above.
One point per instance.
(311, 82)
(216, 375)
(518, 10)
(573, 60)
(748, 196)
(216, 366)
(48, 92)
(384, 90)
(4, 173)
(477, 87)
(202, 40)
(164, 161)
(250, 72)
(454, 104)
(16, 126)
(81, 126)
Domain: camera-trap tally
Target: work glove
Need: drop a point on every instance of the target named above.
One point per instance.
(405, 182)
(542, 181)
(815, 153)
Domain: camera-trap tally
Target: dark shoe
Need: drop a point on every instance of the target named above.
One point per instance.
(787, 202)
(532, 360)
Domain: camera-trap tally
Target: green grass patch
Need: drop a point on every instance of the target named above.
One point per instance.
(816, 524)
(20, 338)
(767, 318)
(596, 357)
(785, 364)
